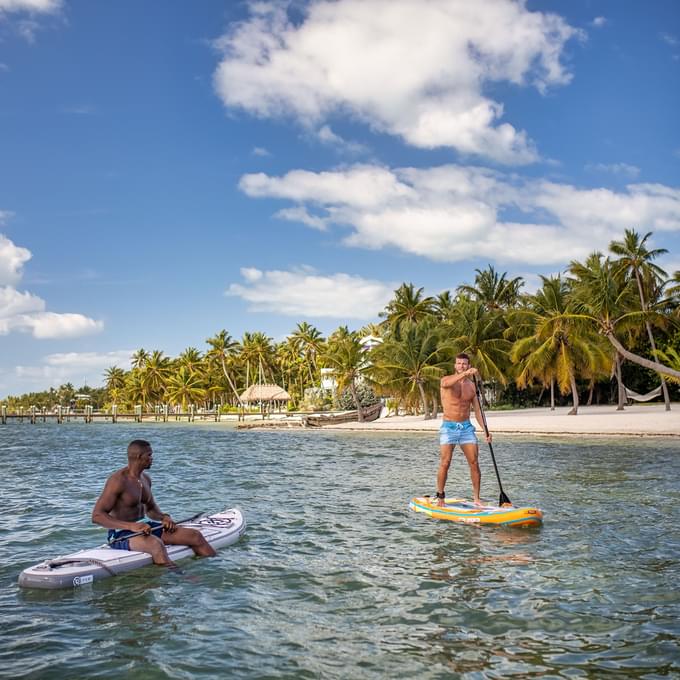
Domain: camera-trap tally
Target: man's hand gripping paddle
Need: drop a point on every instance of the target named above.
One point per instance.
(504, 500)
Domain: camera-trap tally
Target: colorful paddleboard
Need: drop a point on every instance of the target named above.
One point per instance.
(460, 510)
(86, 566)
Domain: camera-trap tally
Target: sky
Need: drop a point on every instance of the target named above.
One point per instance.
(169, 169)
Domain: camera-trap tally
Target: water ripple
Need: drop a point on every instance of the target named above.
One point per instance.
(336, 578)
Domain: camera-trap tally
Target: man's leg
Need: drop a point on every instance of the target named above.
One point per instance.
(471, 452)
(445, 454)
(154, 546)
(191, 537)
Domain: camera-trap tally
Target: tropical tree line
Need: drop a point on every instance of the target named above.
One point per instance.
(609, 322)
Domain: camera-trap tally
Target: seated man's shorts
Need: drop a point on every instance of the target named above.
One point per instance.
(118, 537)
(452, 432)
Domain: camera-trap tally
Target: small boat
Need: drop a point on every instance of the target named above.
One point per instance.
(465, 511)
(86, 566)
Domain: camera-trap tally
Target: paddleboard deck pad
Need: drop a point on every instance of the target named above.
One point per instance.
(87, 566)
(460, 510)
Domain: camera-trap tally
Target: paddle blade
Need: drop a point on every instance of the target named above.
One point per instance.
(504, 501)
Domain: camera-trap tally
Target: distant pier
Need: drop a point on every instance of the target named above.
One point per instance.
(62, 414)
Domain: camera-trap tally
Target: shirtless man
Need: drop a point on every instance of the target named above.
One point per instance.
(458, 395)
(125, 503)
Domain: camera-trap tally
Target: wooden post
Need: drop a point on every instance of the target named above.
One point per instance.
(33, 418)
(138, 413)
(114, 413)
(60, 417)
(165, 413)
(44, 414)
(191, 413)
(3, 414)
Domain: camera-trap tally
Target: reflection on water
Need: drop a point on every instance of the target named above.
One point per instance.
(336, 578)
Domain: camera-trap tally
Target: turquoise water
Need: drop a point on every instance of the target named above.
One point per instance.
(336, 578)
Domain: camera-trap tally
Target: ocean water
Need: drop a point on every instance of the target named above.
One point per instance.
(335, 577)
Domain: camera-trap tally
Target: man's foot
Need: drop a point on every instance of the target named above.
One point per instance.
(478, 503)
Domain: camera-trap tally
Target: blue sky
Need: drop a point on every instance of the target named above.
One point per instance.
(169, 169)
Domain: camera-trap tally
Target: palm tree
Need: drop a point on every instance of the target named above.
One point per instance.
(345, 356)
(408, 304)
(555, 347)
(637, 261)
(155, 374)
(478, 332)
(257, 352)
(114, 378)
(223, 350)
(139, 358)
(191, 358)
(410, 361)
(494, 291)
(185, 386)
(444, 304)
(309, 342)
(604, 300)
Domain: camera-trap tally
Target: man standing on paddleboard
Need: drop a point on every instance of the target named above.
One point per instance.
(127, 501)
(459, 395)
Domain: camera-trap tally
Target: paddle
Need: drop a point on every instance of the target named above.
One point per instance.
(503, 498)
(141, 533)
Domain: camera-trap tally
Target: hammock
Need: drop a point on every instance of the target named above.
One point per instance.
(642, 397)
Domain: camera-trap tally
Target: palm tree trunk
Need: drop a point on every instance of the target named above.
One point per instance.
(355, 396)
(423, 399)
(540, 396)
(664, 387)
(590, 393)
(640, 361)
(552, 394)
(621, 390)
(231, 384)
(574, 394)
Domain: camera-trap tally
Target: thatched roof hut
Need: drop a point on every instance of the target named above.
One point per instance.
(263, 393)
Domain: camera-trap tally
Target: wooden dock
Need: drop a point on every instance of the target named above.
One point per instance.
(89, 415)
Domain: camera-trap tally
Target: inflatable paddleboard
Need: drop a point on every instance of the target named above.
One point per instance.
(460, 510)
(86, 566)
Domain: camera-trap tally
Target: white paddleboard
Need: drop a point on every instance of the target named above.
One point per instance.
(86, 566)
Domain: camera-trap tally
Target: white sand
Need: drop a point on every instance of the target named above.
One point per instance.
(640, 419)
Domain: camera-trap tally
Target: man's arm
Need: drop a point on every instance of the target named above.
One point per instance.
(450, 380)
(480, 419)
(154, 512)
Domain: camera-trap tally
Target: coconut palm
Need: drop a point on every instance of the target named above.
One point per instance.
(636, 260)
(114, 378)
(257, 353)
(408, 304)
(185, 387)
(493, 290)
(410, 362)
(309, 342)
(555, 347)
(346, 357)
(155, 374)
(478, 332)
(139, 358)
(223, 350)
(606, 301)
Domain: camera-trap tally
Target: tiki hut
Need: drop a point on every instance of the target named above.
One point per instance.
(268, 396)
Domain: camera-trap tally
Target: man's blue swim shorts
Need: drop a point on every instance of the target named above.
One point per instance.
(118, 537)
(452, 432)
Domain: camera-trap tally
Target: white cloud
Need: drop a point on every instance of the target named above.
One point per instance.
(260, 151)
(301, 215)
(370, 60)
(326, 136)
(670, 39)
(12, 259)
(75, 367)
(620, 169)
(37, 6)
(599, 22)
(25, 312)
(304, 292)
(452, 213)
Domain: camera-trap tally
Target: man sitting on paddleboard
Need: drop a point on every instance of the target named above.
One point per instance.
(125, 503)
(458, 395)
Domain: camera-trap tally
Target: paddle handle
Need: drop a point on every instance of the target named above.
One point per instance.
(182, 521)
(503, 498)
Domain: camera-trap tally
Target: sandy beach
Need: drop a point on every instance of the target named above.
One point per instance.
(643, 420)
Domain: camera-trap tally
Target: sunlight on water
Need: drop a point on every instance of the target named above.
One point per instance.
(335, 577)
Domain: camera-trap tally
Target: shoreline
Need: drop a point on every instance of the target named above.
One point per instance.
(605, 421)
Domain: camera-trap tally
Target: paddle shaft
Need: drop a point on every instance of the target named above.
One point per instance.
(503, 498)
(143, 533)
